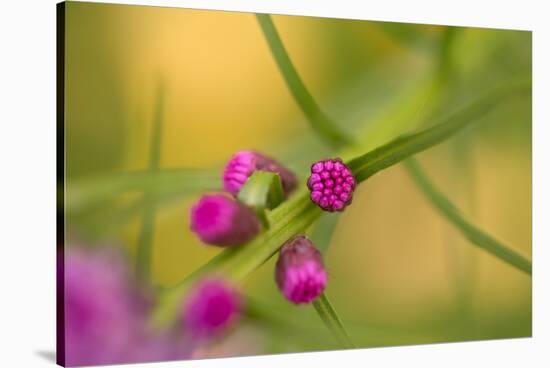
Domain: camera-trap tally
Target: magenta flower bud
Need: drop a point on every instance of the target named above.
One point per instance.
(331, 184)
(211, 308)
(220, 220)
(300, 273)
(244, 163)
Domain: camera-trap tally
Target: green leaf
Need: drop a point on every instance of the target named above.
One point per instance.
(87, 193)
(331, 320)
(399, 149)
(319, 121)
(263, 190)
(470, 231)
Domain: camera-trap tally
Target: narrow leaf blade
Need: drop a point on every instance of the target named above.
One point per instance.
(145, 239)
(332, 321)
(470, 231)
(318, 120)
(86, 193)
(399, 149)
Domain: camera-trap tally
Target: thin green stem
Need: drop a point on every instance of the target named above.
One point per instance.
(145, 239)
(332, 321)
(471, 232)
(89, 193)
(319, 121)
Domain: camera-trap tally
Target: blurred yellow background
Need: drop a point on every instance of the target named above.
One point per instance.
(399, 273)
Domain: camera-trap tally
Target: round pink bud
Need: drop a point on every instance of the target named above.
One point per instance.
(212, 307)
(245, 163)
(299, 272)
(335, 183)
(220, 220)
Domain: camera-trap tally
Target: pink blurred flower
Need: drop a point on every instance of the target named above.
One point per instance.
(212, 307)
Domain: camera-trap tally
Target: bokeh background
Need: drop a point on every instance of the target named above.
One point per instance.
(399, 273)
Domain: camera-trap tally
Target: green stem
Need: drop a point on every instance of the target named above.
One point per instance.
(89, 193)
(318, 120)
(145, 240)
(471, 232)
(332, 321)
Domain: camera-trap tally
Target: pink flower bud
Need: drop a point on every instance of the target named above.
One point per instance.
(212, 307)
(220, 220)
(244, 163)
(331, 184)
(300, 273)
